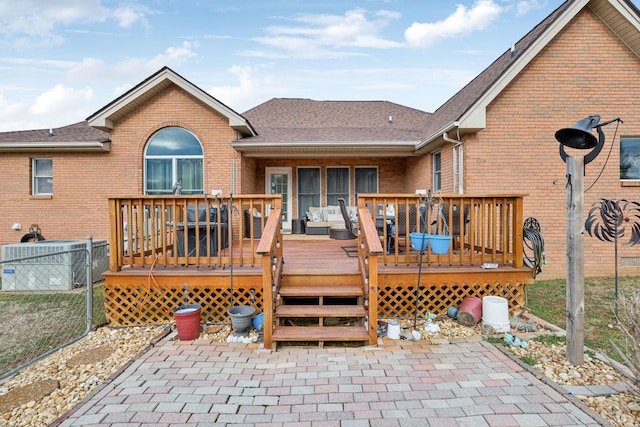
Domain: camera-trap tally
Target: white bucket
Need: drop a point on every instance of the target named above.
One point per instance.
(495, 313)
(393, 330)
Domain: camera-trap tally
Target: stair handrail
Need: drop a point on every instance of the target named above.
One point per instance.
(369, 248)
(270, 249)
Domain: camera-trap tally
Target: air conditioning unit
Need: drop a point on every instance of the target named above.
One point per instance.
(61, 272)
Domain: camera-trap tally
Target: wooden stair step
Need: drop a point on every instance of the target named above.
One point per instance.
(315, 291)
(320, 311)
(321, 279)
(320, 333)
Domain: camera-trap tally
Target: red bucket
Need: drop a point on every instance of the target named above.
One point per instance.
(188, 321)
(470, 311)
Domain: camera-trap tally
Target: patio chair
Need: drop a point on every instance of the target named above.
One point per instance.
(351, 250)
(401, 225)
(455, 230)
(455, 219)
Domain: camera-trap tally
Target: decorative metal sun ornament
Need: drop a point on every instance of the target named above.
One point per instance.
(608, 221)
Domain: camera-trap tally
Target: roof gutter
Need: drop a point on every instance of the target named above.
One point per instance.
(455, 142)
(325, 149)
(36, 146)
(436, 135)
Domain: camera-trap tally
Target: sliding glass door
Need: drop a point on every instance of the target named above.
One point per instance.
(366, 180)
(337, 185)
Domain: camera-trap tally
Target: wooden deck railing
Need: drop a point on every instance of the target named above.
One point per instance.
(484, 228)
(270, 248)
(188, 230)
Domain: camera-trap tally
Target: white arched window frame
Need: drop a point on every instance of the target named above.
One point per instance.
(173, 154)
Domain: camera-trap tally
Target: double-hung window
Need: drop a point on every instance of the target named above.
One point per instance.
(42, 177)
(437, 171)
(173, 154)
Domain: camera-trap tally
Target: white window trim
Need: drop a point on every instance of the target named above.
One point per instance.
(631, 181)
(433, 171)
(174, 161)
(268, 171)
(34, 185)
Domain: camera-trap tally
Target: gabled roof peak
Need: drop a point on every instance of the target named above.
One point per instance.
(103, 118)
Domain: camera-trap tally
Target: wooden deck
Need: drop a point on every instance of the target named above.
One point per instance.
(307, 287)
(317, 259)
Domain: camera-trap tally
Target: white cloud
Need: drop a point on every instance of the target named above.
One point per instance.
(58, 99)
(12, 114)
(33, 22)
(127, 16)
(462, 21)
(171, 57)
(58, 106)
(252, 87)
(119, 90)
(327, 36)
(296, 47)
(525, 6)
(131, 68)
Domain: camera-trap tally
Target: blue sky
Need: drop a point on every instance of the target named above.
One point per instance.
(62, 60)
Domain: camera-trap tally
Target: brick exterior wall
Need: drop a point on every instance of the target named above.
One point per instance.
(586, 70)
(82, 182)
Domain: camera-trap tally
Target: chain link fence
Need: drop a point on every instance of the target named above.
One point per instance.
(45, 303)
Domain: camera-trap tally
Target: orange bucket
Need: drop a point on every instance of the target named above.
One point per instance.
(470, 311)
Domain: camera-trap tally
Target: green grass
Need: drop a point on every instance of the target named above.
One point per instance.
(528, 360)
(547, 300)
(33, 323)
(550, 340)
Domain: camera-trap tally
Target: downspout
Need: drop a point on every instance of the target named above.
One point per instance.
(458, 151)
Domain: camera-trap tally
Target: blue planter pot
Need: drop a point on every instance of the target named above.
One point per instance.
(419, 241)
(439, 244)
(258, 321)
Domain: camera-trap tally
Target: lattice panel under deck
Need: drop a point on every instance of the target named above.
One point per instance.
(137, 306)
(400, 301)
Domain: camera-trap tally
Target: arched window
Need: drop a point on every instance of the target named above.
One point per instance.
(173, 154)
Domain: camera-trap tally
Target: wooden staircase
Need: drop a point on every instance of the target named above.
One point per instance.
(320, 308)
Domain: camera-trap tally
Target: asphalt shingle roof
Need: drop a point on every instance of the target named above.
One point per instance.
(77, 132)
(305, 120)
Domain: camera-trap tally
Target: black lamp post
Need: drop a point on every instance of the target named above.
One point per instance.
(580, 137)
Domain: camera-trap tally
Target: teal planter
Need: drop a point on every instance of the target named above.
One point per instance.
(439, 244)
(419, 241)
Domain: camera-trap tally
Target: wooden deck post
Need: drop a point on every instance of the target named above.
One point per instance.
(270, 247)
(267, 301)
(372, 317)
(114, 262)
(575, 259)
(518, 249)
